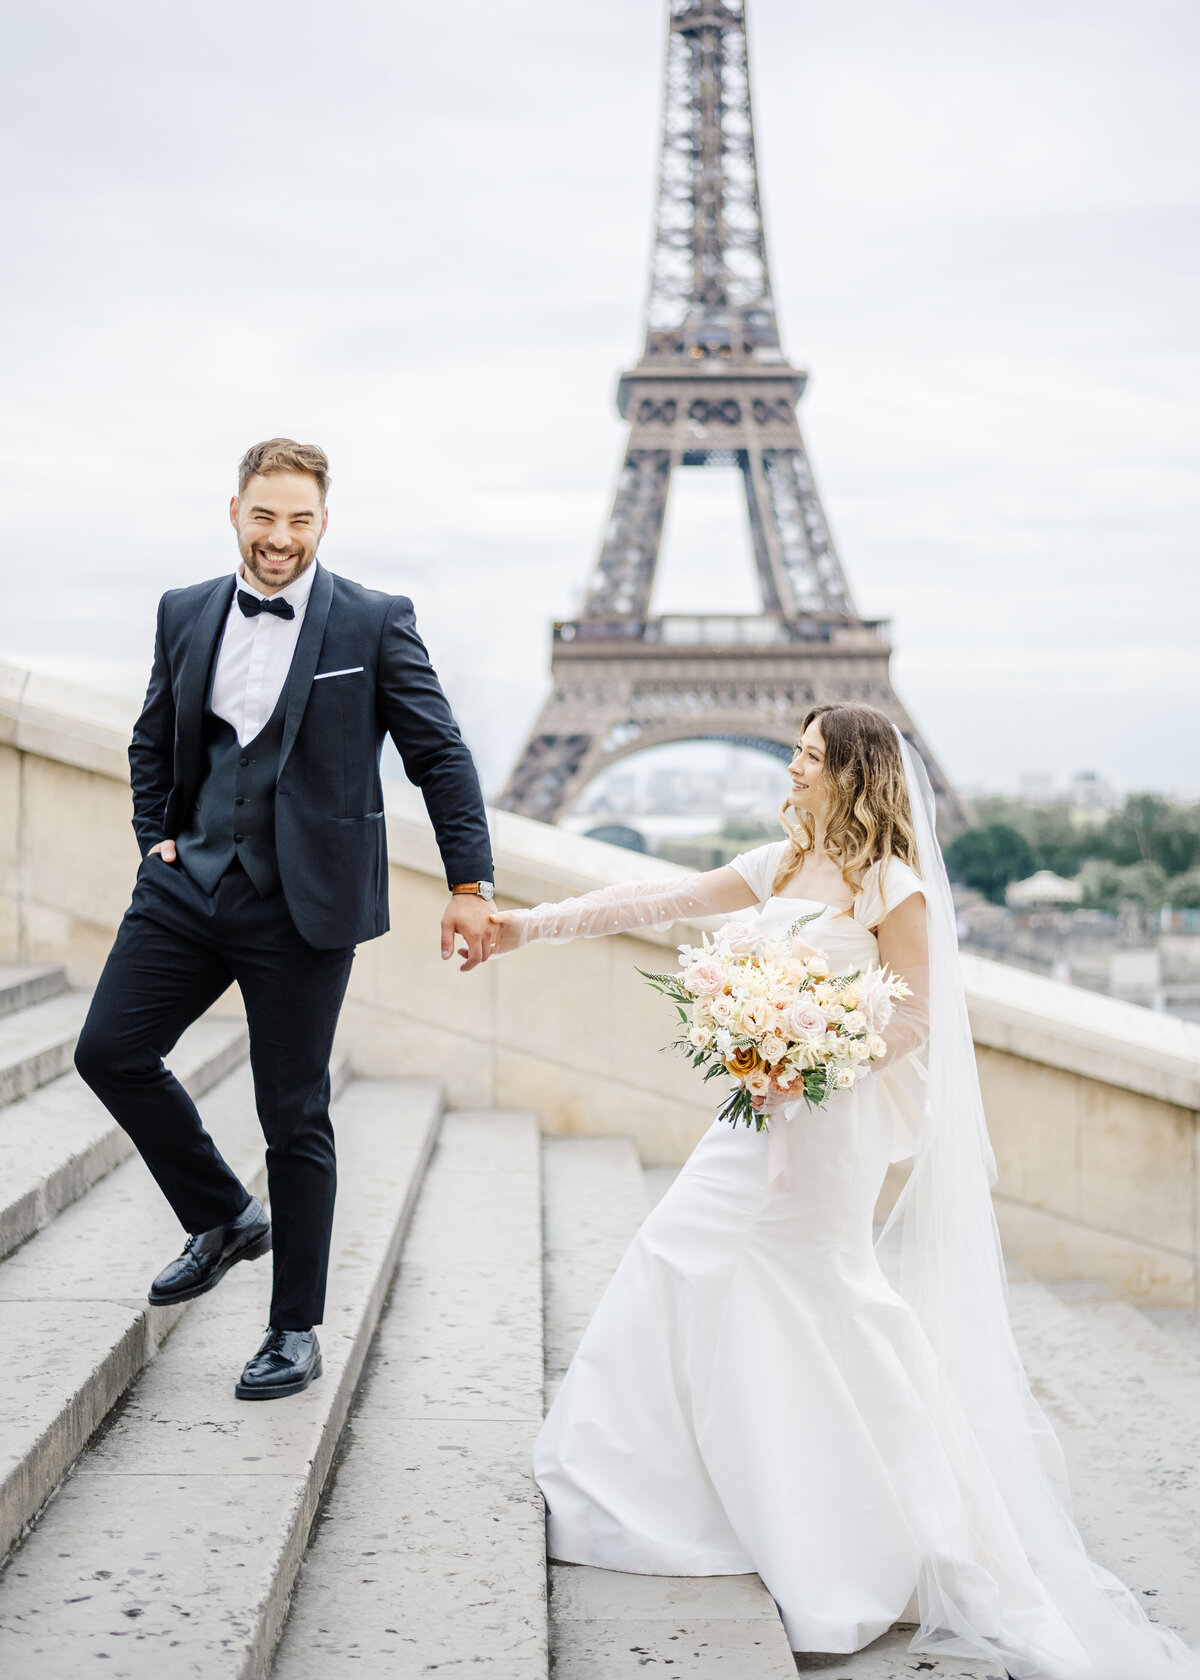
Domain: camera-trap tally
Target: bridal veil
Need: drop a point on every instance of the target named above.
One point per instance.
(940, 1249)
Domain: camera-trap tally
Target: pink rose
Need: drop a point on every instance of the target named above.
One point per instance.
(704, 978)
(804, 1020)
(738, 938)
(875, 1004)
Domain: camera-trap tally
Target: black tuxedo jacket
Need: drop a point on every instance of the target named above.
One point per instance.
(329, 825)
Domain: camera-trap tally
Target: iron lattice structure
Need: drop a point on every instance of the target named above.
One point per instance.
(712, 388)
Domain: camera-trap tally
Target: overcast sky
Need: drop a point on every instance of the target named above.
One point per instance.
(418, 234)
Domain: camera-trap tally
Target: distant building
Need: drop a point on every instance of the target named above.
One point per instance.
(1090, 792)
(1044, 888)
(1036, 787)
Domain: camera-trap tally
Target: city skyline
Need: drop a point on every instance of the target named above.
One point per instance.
(984, 232)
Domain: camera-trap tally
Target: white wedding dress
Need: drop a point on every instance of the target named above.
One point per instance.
(754, 1395)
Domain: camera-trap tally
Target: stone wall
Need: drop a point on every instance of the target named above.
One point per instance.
(1092, 1104)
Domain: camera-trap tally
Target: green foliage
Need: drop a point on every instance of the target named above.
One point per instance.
(1108, 886)
(753, 830)
(1148, 829)
(1060, 837)
(1148, 832)
(1183, 891)
(989, 858)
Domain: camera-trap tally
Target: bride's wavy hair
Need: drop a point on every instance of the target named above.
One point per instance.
(868, 817)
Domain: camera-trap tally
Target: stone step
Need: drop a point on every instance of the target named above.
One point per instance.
(1139, 1384)
(58, 1141)
(22, 984)
(1181, 1324)
(173, 1547)
(889, 1658)
(594, 1201)
(1124, 1400)
(74, 1318)
(429, 1555)
(604, 1625)
(37, 1043)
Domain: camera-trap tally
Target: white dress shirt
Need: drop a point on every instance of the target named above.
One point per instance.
(256, 654)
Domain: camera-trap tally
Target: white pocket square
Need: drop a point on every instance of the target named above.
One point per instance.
(349, 671)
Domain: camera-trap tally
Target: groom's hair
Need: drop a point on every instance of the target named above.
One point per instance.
(280, 455)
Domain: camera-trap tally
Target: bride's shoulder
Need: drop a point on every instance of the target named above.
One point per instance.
(758, 867)
(887, 883)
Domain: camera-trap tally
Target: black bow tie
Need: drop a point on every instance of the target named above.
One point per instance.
(252, 605)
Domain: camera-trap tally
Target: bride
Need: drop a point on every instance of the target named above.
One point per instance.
(768, 1387)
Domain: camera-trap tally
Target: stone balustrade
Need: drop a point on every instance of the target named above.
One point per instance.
(1092, 1104)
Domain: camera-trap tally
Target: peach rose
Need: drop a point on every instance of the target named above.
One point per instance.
(772, 1048)
(755, 1015)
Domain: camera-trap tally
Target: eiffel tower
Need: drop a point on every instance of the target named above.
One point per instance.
(713, 389)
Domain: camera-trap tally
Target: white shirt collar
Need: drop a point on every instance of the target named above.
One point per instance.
(295, 593)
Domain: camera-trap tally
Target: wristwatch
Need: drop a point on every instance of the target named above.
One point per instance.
(480, 889)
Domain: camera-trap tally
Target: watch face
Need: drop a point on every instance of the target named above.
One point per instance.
(486, 889)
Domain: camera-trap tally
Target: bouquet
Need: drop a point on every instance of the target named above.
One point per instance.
(770, 1012)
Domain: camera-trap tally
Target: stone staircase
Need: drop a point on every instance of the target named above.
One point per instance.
(385, 1521)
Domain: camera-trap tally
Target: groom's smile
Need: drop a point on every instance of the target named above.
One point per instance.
(280, 519)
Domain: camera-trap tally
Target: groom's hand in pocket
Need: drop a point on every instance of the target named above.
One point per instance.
(165, 850)
(468, 918)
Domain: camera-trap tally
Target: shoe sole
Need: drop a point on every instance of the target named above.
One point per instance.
(279, 1391)
(254, 1251)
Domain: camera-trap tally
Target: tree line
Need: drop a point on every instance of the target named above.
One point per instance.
(1146, 853)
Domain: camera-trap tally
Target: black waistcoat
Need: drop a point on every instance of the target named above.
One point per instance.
(234, 812)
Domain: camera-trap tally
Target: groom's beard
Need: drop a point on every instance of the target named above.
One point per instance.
(276, 577)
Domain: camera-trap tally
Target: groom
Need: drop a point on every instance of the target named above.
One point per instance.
(259, 811)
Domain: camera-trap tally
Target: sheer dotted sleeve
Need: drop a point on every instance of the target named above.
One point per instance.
(621, 908)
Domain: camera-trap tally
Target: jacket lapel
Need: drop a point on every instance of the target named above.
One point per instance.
(305, 658)
(193, 687)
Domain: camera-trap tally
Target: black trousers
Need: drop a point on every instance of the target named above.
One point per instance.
(175, 953)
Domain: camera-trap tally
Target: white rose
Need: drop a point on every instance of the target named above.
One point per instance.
(834, 1012)
(859, 1051)
(700, 1037)
(854, 1021)
(876, 1045)
(843, 1078)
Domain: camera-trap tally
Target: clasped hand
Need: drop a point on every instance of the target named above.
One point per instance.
(486, 931)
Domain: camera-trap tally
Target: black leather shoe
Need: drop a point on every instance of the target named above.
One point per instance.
(207, 1257)
(285, 1364)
